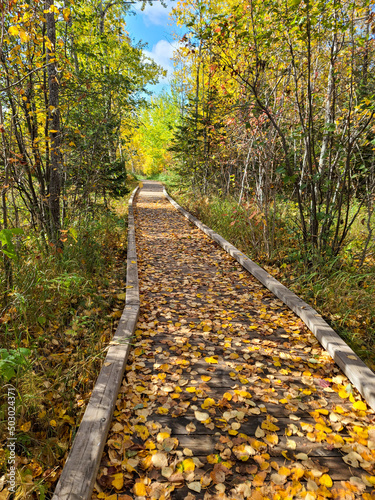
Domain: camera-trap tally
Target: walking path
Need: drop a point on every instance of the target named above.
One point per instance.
(227, 394)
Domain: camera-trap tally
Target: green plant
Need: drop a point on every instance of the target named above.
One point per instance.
(12, 362)
(6, 240)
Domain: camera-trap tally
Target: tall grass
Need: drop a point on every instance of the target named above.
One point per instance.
(55, 324)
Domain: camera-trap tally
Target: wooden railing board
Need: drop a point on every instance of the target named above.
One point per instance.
(79, 474)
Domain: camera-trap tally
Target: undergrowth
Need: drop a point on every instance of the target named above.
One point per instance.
(339, 288)
(55, 324)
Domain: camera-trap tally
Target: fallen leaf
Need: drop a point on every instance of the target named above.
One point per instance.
(195, 486)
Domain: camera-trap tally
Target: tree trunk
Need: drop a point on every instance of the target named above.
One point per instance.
(7, 262)
(54, 130)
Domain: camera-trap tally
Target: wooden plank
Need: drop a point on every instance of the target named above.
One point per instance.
(248, 425)
(79, 474)
(354, 368)
(203, 445)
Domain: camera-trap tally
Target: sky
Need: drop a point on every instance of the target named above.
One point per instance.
(153, 27)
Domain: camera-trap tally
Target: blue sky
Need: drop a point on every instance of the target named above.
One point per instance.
(153, 27)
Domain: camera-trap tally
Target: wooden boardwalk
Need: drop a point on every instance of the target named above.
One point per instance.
(227, 395)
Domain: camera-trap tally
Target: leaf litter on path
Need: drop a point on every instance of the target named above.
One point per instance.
(227, 394)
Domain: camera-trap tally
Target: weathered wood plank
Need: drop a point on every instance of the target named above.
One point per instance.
(78, 476)
(203, 445)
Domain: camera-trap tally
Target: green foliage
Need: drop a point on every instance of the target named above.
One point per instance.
(12, 362)
(6, 236)
(115, 179)
(271, 95)
(149, 147)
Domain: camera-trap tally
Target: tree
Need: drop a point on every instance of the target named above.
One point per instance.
(288, 77)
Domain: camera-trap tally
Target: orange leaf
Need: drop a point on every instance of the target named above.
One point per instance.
(118, 481)
(259, 478)
(139, 489)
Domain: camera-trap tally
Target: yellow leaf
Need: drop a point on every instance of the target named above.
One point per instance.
(228, 465)
(211, 360)
(24, 36)
(53, 423)
(338, 439)
(322, 427)
(188, 465)
(25, 427)
(360, 405)
(343, 394)
(161, 436)
(13, 30)
(118, 481)
(227, 396)
(207, 403)
(139, 489)
(66, 14)
(269, 426)
(162, 411)
(297, 473)
(53, 10)
(147, 462)
(142, 431)
(150, 445)
(191, 389)
(326, 480)
(205, 378)
(272, 439)
(259, 478)
(284, 471)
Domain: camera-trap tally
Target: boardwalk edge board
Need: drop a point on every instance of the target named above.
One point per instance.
(354, 368)
(79, 473)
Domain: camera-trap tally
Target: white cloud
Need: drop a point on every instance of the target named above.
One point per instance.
(162, 53)
(155, 14)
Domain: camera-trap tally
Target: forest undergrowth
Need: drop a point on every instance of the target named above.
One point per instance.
(55, 324)
(340, 288)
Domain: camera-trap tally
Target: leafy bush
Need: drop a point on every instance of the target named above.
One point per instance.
(12, 362)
